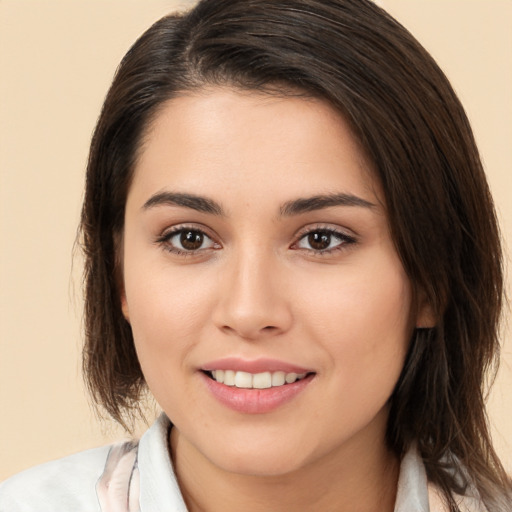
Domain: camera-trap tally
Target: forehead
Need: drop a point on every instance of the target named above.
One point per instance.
(222, 138)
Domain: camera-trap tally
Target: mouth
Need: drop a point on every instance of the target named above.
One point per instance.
(255, 386)
(263, 380)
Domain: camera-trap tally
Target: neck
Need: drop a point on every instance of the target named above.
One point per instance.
(349, 481)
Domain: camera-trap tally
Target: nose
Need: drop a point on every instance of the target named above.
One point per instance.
(253, 298)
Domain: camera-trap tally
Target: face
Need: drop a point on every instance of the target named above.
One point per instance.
(270, 311)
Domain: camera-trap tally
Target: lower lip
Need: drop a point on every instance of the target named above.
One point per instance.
(255, 401)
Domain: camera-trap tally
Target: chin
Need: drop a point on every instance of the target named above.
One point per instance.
(260, 455)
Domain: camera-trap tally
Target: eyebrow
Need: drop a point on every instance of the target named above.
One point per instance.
(308, 204)
(288, 209)
(198, 203)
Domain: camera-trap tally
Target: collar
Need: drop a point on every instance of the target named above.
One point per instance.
(159, 488)
(412, 492)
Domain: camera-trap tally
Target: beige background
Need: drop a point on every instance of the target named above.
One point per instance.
(56, 62)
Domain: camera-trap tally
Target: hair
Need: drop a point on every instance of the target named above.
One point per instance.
(413, 129)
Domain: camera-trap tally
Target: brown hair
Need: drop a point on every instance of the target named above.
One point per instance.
(412, 126)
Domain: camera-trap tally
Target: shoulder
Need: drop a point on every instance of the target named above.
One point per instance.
(61, 485)
(133, 474)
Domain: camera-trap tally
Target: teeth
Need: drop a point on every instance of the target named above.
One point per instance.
(290, 377)
(243, 380)
(247, 380)
(229, 378)
(278, 378)
(262, 380)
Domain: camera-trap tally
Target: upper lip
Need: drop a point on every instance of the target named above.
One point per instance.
(254, 365)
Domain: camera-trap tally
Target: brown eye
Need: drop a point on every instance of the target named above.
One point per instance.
(187, 240)
(191, 240)
(319, 240)
(324, 241)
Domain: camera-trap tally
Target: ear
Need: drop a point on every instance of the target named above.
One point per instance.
(124, 306)
(425, 316)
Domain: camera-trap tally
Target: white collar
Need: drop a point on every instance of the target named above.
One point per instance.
(159, 488)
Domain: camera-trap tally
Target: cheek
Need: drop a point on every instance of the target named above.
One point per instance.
(168, 307)
(361, 300)
(167, 316)
(362, 317)
(158, 292)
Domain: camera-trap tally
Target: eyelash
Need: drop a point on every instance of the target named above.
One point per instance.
(343, 239)
(165, 240)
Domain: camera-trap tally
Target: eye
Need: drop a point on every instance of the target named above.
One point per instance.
(187, 241)
(324, 240)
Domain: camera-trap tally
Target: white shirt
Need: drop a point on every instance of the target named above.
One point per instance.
(139, 477)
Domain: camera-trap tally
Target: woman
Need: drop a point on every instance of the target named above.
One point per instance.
(290, 241)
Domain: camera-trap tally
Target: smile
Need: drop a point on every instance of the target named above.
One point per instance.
(263, 380)
(255, 393)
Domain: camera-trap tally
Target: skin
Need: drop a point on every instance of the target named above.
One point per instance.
(256, 287)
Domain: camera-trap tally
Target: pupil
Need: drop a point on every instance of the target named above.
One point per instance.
(191, 240)
(319, 241)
